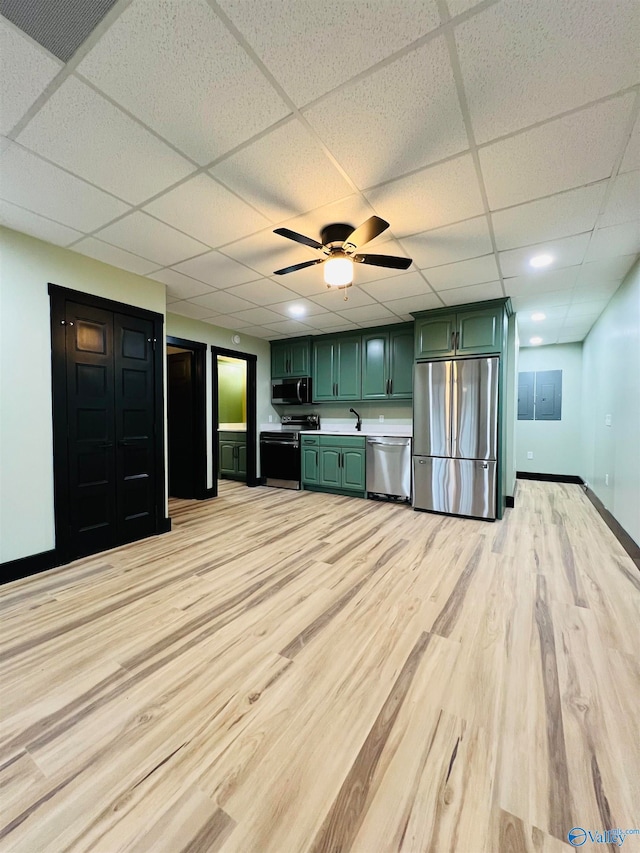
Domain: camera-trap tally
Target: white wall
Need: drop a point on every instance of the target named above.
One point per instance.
(611, 382)
(556, 445)
(27, 266)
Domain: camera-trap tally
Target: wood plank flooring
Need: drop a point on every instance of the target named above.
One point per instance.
(292, 671)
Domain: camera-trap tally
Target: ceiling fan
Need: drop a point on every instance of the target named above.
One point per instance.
(339, 246)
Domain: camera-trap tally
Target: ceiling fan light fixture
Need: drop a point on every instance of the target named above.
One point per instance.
(338, 271)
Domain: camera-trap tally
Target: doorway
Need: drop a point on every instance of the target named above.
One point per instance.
(108, 435)
(234, 416)
(186, 418)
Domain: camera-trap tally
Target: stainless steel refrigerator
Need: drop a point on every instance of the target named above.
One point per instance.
(455, 436)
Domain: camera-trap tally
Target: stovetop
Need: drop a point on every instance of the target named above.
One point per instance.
(292, 426)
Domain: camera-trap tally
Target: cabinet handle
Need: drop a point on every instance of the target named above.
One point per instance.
(391, 386)
(453, 340)
(457, 340)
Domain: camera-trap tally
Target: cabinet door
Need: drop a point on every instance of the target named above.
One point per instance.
(299, 358)
(241, 459)
(435, 336)
(401, 364)
(227, 457)
(310, 465)
(480, 331)
(375, 375)
(330, 471)
(348, 374)
(353, 469)
(279, 360)
(323, 370)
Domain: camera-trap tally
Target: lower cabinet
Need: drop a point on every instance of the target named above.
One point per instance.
(334, 463)
(233, 455)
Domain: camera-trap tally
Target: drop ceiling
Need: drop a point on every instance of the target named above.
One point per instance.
(170, 137)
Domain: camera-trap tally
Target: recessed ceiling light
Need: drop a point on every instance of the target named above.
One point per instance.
(541, 261)
(538, 316)
(535, 341)
(297, 310)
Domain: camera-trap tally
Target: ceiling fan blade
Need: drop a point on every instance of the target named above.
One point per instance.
(390, 261)
(301, 266)
(299, 238)
(364, 233)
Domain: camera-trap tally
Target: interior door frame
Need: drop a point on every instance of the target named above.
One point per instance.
(252, 416)
(58, 298)
(199, 351)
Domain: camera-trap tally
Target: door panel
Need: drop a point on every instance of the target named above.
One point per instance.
(330, 471)
(227, 457)
(90, 428)
(353, 469)
(435, 336)
(432, 409)
(310, 465)
(374, 367)
(241, 459)
(348, 375)
(456, 486)
(299, 358)
(135, 428)
(180, 412)
(401, 363)
(479, 331)
(474, 408)
(323, 370)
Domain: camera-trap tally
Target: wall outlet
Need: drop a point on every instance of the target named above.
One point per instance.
(530, 454)
(270, 419)
(606, 479)
(607, 420)
(381, 418)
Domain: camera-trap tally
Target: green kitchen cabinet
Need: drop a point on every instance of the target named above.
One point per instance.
(353, 469)
(232, 456)
(387, 364)
(290, 358)
(330, 472)
(310, 460)
(334, 463)
(474, 330)
(337, 369)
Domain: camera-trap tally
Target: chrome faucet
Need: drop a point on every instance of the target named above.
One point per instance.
(359, 424)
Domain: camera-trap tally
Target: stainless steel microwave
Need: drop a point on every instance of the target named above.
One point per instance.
(291, 392)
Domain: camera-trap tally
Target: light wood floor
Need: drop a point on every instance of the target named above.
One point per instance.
(290, 671)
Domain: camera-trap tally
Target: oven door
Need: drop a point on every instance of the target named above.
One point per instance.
(280, 462)
(291, 392)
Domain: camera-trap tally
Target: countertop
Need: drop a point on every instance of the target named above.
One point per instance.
(363, 433)
(389, 430)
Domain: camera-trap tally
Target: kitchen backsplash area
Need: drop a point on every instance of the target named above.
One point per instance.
(397, 417)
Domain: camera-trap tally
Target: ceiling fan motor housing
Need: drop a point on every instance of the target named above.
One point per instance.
(334, 235)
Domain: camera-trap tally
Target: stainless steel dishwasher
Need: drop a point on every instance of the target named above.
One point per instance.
(389, 466)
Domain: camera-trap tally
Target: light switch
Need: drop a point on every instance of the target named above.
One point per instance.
(607, 420)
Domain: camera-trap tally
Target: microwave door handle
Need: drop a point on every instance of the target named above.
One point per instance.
(298, 383)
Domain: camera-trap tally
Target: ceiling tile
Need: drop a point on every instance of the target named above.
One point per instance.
(290, 327)
(570, 339)
(228, 321)
(569, 152)
(149, 238)
(578, 327)
(324, 321)
(457, 7)
(23, 220)
(333, 300)
(452, 243)
(463, 273)
(398, 287)
(397, 119)
(258, 316)
(366, 313)
(41, 187)
(605, 270)
(180, 286)
(541, 300)
(525, 62)
(311, 49)
(566, 252)
(264, 291)
(222, 303)
(310, 309)
(207, 211)
(542, 282)
(260, 332)
(262, 173)
(188, 309)
(403, 307)
(213, 95)
(624, 202)
(587, 293)
(615, 240)
(553, 314)
(559, 215)
(83, 132)
(217, 270)
(114, 256)
(438, 195)
(593, 309)
(25, 71)
(474, 293)
(631, 159)
(365, 273)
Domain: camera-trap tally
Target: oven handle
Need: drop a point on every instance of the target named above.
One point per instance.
(280, 443)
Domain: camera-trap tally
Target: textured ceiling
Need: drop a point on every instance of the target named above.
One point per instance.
(170, 137)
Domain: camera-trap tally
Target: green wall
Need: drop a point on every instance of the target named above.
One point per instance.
(232, 392)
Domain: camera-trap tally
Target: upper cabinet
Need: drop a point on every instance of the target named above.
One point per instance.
(387, 364)
(337, 368)
(290, 358)
(472, 330)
